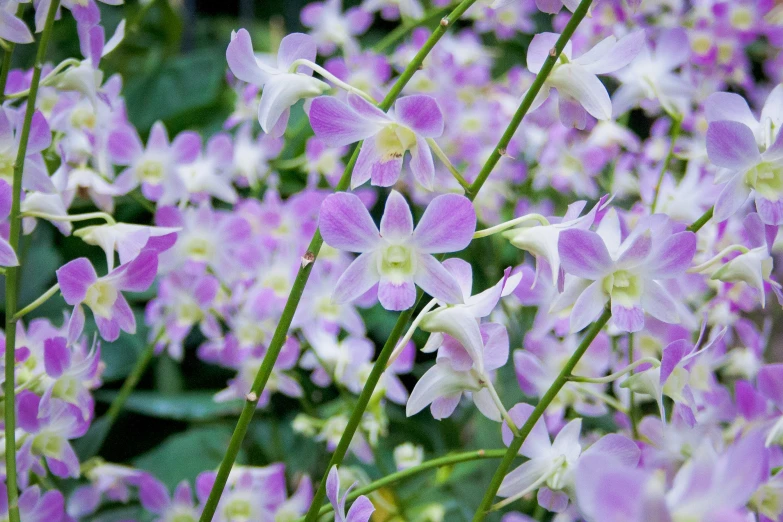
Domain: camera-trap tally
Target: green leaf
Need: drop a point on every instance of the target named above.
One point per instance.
(185, 455)
(187, 406)
(179, 87)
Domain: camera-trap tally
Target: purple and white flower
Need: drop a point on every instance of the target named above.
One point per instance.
(361, 509)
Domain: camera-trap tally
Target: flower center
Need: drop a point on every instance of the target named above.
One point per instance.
(100, 298)
(150, 171)
(394, 140)
(767, 179)
(83, 118)
(742, 18)
(397, 263)
(6, 167)
(198, 248)
(48, 444)
(238, 509)
(66, 388)
(624, 287)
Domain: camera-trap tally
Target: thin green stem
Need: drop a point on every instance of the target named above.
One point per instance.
(445, 160)
(131, 381)
(631, 396)
(538, 411)
(675, 133)
(510, 224)
(616, 375)
(12, 273)
(696, 226)
(440, 462)
(527, 101)
(72, 217)
(38, 302)
(403, 29)
(6, 68)
(281, 331)
(499, 405)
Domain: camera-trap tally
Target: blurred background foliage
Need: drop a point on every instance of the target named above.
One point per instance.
(173, 69)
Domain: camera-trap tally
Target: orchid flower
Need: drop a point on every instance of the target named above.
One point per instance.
(34, 175)
(80, 285)
(282, 86)
(387, 136)
(745, 171)
(552, 463)
(128, 240)
(455, 373)
(461, 321)
(361, 509)
(395, 9)
(398, 257)
(153, 167)
(650, 77)
(7, 253)
(154, 497)
(708, 487)
(71, 376)
(672, 377)
(331, 28)
(579, 89)
(541, 241)
(627, 273)
(753, 265)
(35, 506)
(49, 434)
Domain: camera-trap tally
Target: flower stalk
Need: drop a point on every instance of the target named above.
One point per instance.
(12, 273)
(281, 332)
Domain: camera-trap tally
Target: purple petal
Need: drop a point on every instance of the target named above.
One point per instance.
(732, 145)
(242, 60)
(537, 444)
(40, 134)
(583, 254)
(57, 356)
(734, 194)
(421, 114)
(621, 448)
(443, 407)
(6, 195)
(421, 163)
(139, 274)
(397, 295)
(74, 278)
(588, 306)
(7, 254)
(13, 29)
(538, 50)
(770, 383)
(108, 328)
(295, 46)
(358, 278)
(361, 510)
(371, 164)
(628, 319)
(333, 486)
(153, 495)
(337, 124)
(447, 225)
(657, 302)
(436, 280)
(124, 145)
(346, 224)
(495, 337)
(636, 252)
(673, 257)
(728, 106)
(27, 411)
(76, 324)
(672, 355)
(771, 212)
(462, 272)
(397, 221)
(554, 501)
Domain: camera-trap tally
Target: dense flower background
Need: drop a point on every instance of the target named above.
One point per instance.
(396, 260)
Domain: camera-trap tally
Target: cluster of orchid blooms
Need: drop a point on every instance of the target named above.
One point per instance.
(650, 302)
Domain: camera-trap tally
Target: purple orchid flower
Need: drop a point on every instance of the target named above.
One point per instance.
(387, 136)
(398, 256)
(154, 167)
(282, 86)
(73, 375)
(36, 507)
(361, 509)
(128, 240)
(331, 28)
(50, 433)
(80, 285)
(455, 373)
(154, 497)
(552, 463)
(746, 172)
(7, 253)
(579, 89)
(627, 274)
(35, 175)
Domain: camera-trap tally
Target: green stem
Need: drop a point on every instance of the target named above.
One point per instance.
(448, 460)
(445, 160)
(696, 226)
(72, 217)
(543, 404)
(11, 276)
(675, 133)
(403, 29)
(131, 381)
(281, 331)
(38, 302)
(527, 101)
(6, 68)
(361, 404)
(631, 396)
